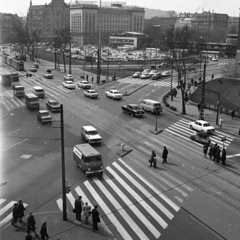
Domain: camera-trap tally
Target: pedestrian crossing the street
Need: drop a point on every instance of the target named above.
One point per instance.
(139, 208)
(182, 130)
(147, 81)
(6, 207)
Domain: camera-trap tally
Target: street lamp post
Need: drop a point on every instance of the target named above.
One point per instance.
(171, 84)
(99, 45)
(108, 65)
(157, 108)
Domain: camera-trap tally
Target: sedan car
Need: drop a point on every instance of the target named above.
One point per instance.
(114, 94)
(69, 84)
(153, 72)
(33, 69)
(166, 74)
(84, 84)
(68, 77)
(36, 64)
(48, 75)
(90, 134)
(53, 105)
(201, 125)
(214, 59)
(201, 137)
(136, 75)
(156, 76)
(145, 76)
(44, 116)
(91, 93)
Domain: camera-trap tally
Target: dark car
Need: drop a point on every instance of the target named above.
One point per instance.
(133, 109)
(44, 116)
(156, 76)
(201, 137)
(53, 105)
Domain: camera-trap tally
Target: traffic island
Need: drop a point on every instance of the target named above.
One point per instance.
(123, 149)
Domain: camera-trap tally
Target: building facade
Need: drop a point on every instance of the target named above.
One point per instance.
(45, 19)
(233, 25)
(181, 22)
(87, 20)
(162, 23)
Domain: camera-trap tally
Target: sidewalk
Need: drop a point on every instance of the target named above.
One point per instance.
(230, 125)
(58, 229)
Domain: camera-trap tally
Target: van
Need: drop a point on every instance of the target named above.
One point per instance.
(39, 91)
(32, 101)
(18, 90)
(149, 105)
(88, 159)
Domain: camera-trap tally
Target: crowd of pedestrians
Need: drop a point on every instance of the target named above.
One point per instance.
(153, 159)
(215, 153)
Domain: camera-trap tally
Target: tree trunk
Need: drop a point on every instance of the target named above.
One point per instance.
(183, 102)
(65, 70)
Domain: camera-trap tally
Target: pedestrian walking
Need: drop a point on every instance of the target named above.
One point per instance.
(212, 76)
(233, 113)
(86, 212)
(224, 154)
(199, 106)
(87, 77)
(214, 151)
(210, 152)
(78, 208)
(14, 215)
(95, 217)
(43, 231)
(218, 154)
(31, 224)
(164, 154)
(92, 79)
(220, 123)
(205, 150)
(21, 210)
(151, 160)
(28, 236)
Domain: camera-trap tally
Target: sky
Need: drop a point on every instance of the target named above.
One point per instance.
(230, 7)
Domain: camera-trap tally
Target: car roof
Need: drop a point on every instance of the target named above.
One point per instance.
(37, 87)
(84, 81)
(43, 111)
(133, 105)
(69, 81)
(114, 90)
(89, 128)
(201, 121)
(32, 66)
(52, 101)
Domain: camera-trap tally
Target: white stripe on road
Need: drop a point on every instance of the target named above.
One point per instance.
(2, 201)
(133, 208)
(119, 208)
(164, 197)
(139, 200)
(14, 145)
(234, 155)
(71, 198)
(60, 204)
(107, 211)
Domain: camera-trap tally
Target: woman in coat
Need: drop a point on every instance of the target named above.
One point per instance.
(86, 212)
(210, 153)
(15, 215)
(224, 156)
(21, 210)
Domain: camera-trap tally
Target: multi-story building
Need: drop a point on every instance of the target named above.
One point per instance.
(87, 20)
(8, 24)
(162, 23)
(46, 19)
(183, 22)
(213, 25)
(233, 23)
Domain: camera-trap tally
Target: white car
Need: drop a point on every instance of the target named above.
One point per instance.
(91, 93)
(33, 69)
(166, 74)
(214, 59)
(69, 84)
(114, 94)
(90, 134)
(201, 125)
(48, 75)
(84, 84)
(68, 77)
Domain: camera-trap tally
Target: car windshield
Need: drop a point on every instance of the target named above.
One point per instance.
(93, 132)
(92, 91)
(206, 125)
(93, 159)
(54, 103)
(39, 90)
(44, 114)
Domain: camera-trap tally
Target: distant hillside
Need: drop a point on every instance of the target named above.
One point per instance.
(149, 13)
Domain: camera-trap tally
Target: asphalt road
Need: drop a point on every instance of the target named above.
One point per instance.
(129, 189)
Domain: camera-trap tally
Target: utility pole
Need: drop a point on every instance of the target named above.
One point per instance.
(63, 167)
(99, 45)
(70, 58)
(201, 112)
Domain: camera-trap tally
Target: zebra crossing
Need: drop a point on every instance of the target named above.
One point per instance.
(139, 208)
(148, 81)
(182, 130)
(6, 207)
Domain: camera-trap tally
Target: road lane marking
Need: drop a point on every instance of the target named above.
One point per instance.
(14, 145)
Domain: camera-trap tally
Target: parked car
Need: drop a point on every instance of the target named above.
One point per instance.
(91, 93)
(33, 69)
(68, 77)
(166, 74)
(156, 76)
(201, 137)
(146, 71)
(153, 72)
(163, 64)
(133, 109)
(136, 75)
(145, 76)
(53, 105)
(114, 94)
(69, 84)
(201, 125)
(84, 84)
(44, 116)
(90, 134)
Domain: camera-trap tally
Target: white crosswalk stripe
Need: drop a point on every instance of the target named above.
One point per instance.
(6, 211)
(182, 129)
(130, 201)
(12, 103)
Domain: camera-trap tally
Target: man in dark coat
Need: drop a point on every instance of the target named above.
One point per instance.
(218, 153)
(95, 217)
(15, 215)
(31, 224)
(78, 208)
(214, 152)
(43, 231)
(224, 156)
(152, 158)
(164, 154)
(21, 210)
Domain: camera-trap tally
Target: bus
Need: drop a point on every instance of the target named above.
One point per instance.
(7, 76)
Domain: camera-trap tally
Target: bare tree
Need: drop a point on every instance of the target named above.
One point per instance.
(180, 56)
